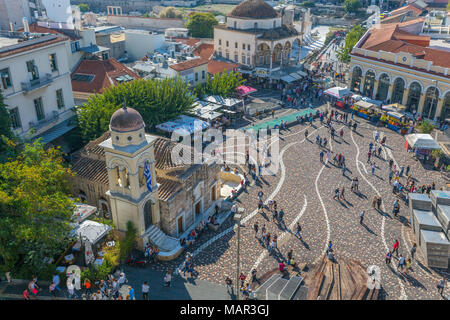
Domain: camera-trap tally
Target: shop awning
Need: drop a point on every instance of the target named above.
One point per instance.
(338, 92)
(210, 115)
(245, 90)
(288, 79)
(301, 73)
(57, 131)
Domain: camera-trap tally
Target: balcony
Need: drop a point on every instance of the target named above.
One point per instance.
(32, 85)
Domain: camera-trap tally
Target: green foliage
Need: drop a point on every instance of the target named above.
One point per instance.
(329, 37)
(223, 84)
(448, 6)
(350, 41)
(308, 4)
(156, 100)
(171, 12)
(352, 6)
(127, 244)
(201, 25)
(110, 261)
(425, 126)
(6, 134)
(35, 209)
(84, 7)
(437, 153)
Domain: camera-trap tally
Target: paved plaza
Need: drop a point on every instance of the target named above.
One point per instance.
(304, 188)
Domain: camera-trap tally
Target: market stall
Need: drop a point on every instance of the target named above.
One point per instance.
(338, 96)
(365, 109)
(421, 144)
(83, 211)
(183, 123)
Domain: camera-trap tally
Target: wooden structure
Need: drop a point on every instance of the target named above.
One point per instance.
(345, 279)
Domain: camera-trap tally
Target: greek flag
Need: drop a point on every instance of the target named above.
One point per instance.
(148, 176)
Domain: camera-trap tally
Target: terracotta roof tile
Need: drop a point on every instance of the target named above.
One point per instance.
(204, 51)
(215, 66)
(104, 72)
(186, 65)
(188, 41)
(91, 169)
(410, 7)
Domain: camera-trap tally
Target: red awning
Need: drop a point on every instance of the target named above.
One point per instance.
(245, 90)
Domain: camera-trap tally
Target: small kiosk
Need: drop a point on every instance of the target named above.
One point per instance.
(366, 110)
(421, 144)
(338, 96)
(394, 117)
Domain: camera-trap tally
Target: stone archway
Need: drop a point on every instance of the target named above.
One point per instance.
(445, 114)
(383, 87)
(277, 52)
(262, 52)
(356, 79)
(431, 101)
(415, 90)
(398, 90)
(287, 51)
(369, 83)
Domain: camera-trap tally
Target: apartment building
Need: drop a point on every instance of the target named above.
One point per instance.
(36, 85)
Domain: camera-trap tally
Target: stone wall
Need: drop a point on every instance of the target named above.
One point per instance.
(152, 24)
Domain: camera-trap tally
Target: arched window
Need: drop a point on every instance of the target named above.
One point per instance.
(414, 97)
(445, 114)
(397, 92)
(430, 104)
(369, 82)
(356, 79)
(383, 87)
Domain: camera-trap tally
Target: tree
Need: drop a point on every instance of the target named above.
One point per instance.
(6, 134)
(35, 210)
(350, 41)
(201, 25)
(171, 12)
(84, 7)
(223, 84)
(352, 6)
(156, 100)
(448, 6)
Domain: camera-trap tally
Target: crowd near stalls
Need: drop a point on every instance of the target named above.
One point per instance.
(422, 145)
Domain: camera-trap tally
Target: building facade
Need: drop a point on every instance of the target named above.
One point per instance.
(396, 66)
(35, 82)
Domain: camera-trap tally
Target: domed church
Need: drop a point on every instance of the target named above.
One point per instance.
(256, 35)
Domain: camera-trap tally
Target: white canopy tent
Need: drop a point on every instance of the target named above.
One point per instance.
(422, 141)
(338, 92)
(91, 231)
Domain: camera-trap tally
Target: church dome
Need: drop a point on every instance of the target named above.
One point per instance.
(254, 9)
(126, 120)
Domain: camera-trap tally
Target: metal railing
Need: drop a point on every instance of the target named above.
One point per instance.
(31, 85)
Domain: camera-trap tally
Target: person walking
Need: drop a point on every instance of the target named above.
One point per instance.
(379, 200)
(361, 218)
(168, 278)
(373, 167)
(342, 196)
(401, 262)
(145, 290)
(407, 170)
(396, 245)
(87, 285)
(71, 289)
(388, 257)
(52, 289)
(299, 229)
(256, 227)
(413, 250)
(321, 156)
(336, 194)
(229, 284)
(441, 286)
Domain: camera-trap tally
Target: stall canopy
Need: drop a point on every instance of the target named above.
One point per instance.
(394, 107)
(245, 90)
(422, 141)
(288, 79)
(364, 104)
(296, 76)
(215, 99)
(91, 230)
(183, 123)
(211, 115)
(230, 102)
(396, 115)
(303, 74)
(338, 92)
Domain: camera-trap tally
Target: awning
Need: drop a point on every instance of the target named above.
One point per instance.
(57, 131)
(296, 76)
(83, 211)
(244, 90)
(338, 92)
(301, 73)
(288, 79)
(210, 115)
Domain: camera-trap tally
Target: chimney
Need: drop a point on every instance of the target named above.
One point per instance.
(26, 27)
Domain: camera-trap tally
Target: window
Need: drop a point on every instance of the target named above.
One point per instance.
(105, 56)
(235, 45)
(248, 47)
(196, 76)
(243, 46)
(203, 74)
(75, 46)
(228, 55)
(248, 61)
(59, 99)
(236, 59)
(53, 65)
(15, 118)
(220, 53)
(227, 43)
(220, 42)
(32, 70)
(39, 109)
(243, 58)
(83, 77)
(6, 78)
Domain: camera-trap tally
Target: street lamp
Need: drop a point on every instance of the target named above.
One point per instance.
(237, 218)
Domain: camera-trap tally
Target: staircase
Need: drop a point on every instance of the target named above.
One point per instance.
(169, 247)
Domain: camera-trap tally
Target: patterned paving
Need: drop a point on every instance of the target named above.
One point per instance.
(304, 188)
